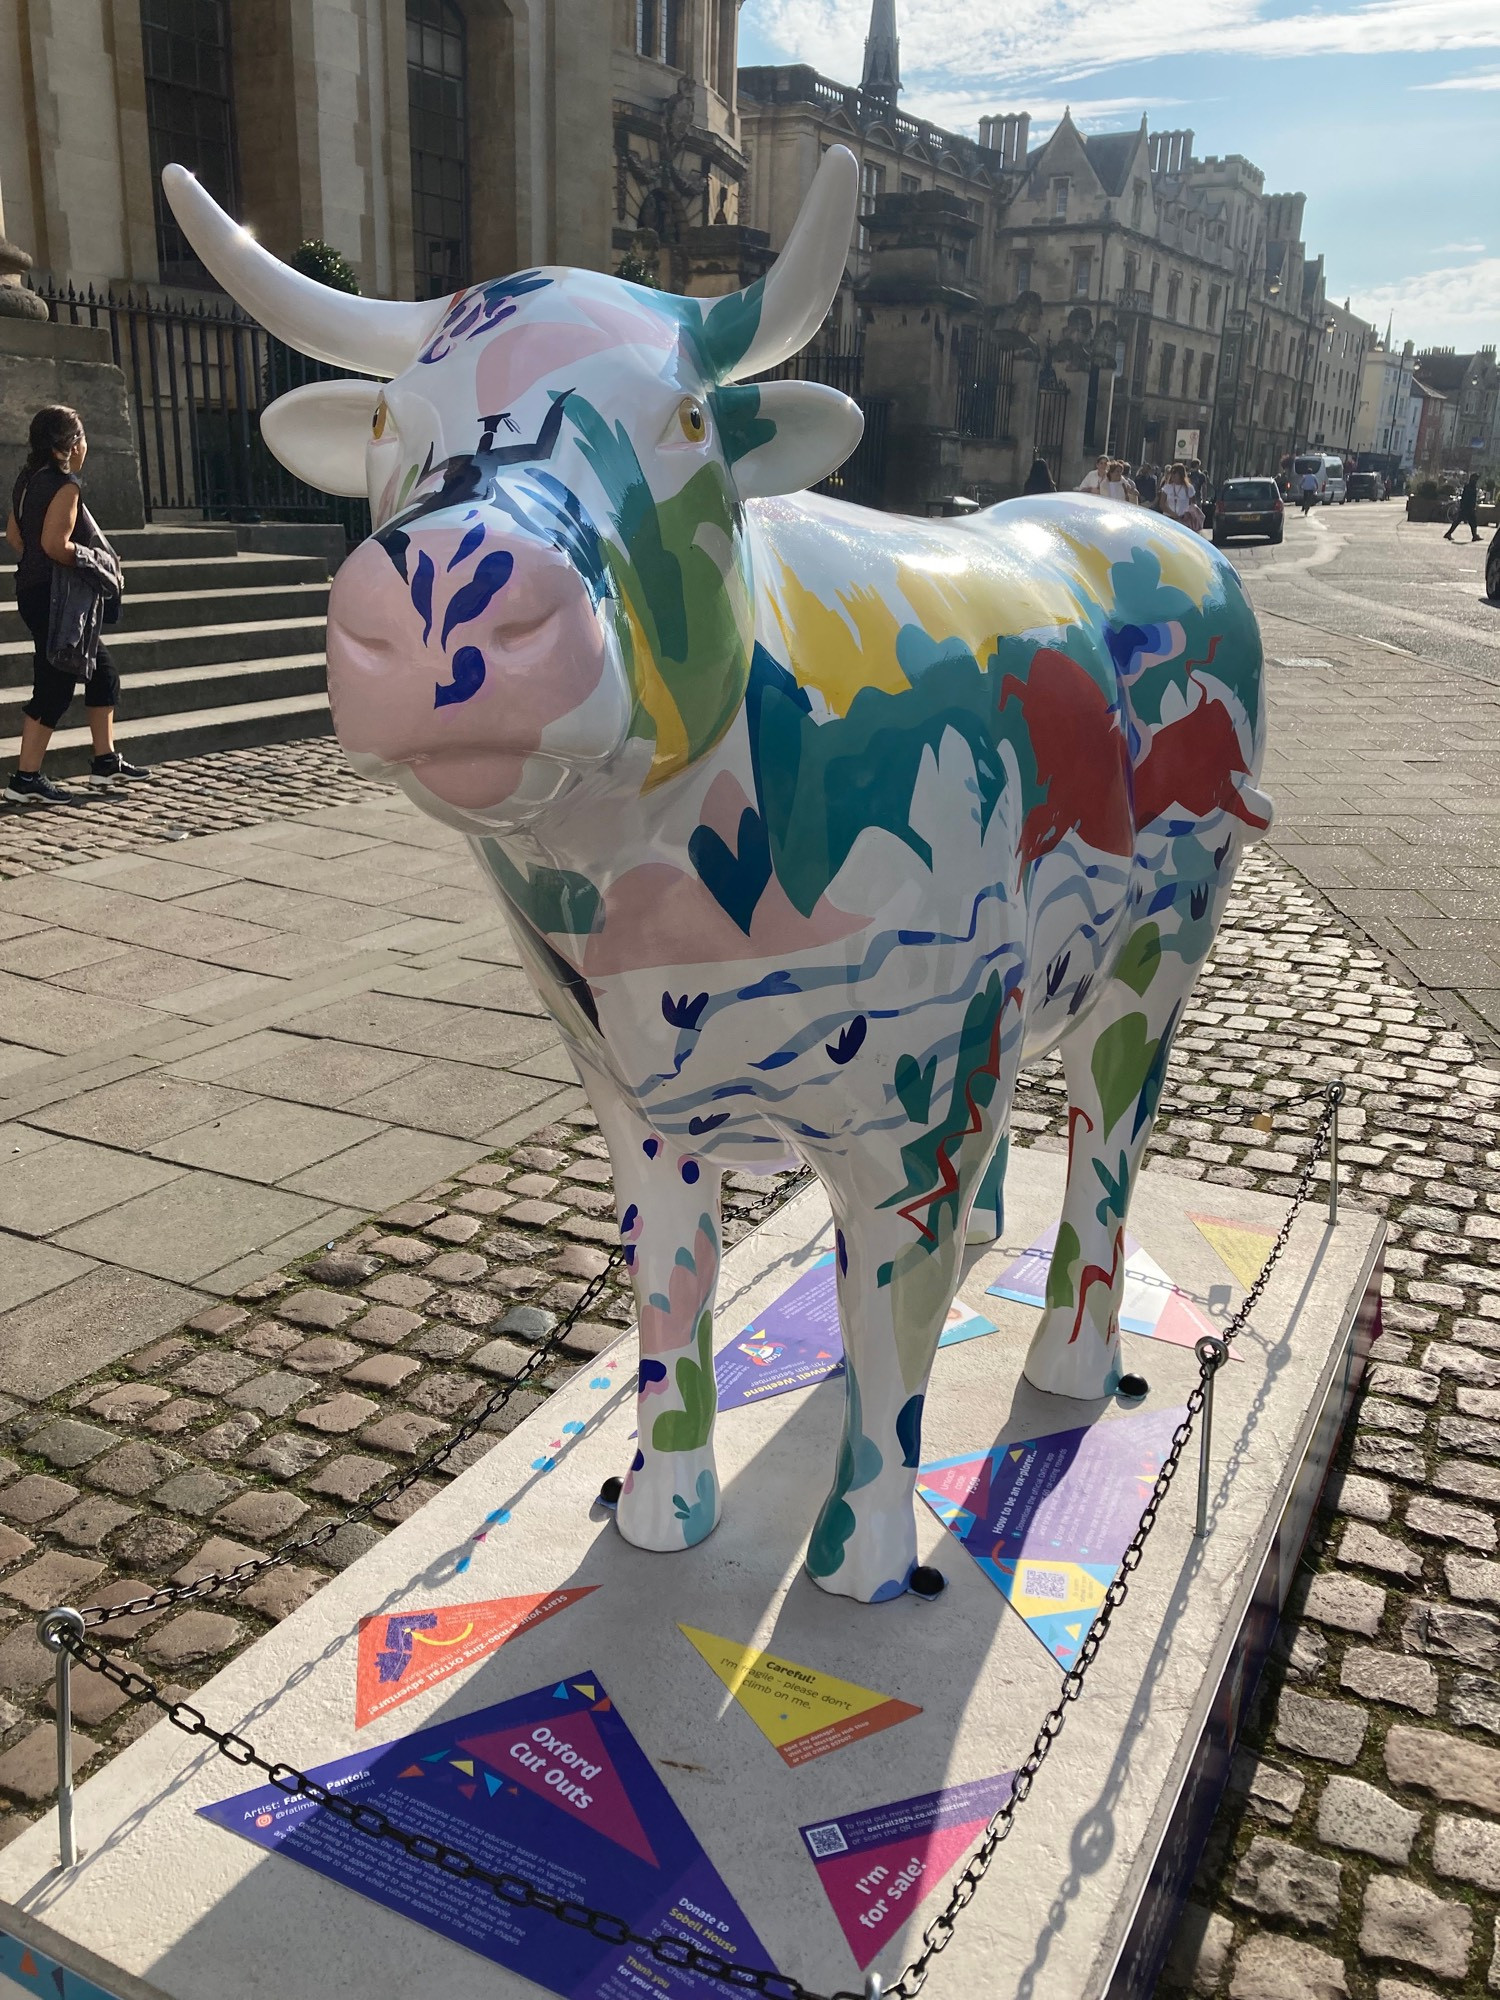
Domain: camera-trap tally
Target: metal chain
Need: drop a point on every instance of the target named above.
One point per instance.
(936, 1936)
(675, 1952)
(229, 1581)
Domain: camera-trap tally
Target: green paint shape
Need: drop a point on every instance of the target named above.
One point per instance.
(1122, 1061)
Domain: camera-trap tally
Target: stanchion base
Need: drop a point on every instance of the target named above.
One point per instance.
(926, 1582)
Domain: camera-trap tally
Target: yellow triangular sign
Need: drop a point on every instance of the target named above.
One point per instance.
(804, 1713)
(1242, 1248)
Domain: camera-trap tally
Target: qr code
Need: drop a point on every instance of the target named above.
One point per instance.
(1044, 1583)
(826, 1840)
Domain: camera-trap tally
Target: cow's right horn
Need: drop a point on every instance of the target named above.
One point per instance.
(790, 303)
(375, 336)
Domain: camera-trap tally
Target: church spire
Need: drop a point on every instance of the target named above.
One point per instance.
(882, 77)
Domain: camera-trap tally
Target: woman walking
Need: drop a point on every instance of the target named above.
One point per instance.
(48, 524)
(1177, 497)
(1039, 479)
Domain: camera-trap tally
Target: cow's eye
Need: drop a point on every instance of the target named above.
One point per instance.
(381, 421)
(692, 420)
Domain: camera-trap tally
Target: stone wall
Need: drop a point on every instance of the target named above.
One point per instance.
(42, 363)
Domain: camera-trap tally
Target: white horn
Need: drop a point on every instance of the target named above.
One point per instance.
(376, 336)
(803, 283)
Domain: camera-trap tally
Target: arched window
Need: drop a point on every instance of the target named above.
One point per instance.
(189, 115)
(439, 146)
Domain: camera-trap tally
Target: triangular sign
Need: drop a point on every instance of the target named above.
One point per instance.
(568, 1765)
(403, 1653)
(1242, 1248)
(804, 1713)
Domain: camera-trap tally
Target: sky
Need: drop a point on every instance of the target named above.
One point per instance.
(1385, 113)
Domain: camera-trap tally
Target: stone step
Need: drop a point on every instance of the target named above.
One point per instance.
(151, 652)
(184, 691)
(154, 739)
(162, 543)
(173, 610)
(202, 573)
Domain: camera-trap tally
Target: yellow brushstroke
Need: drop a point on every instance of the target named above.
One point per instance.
(671, 752)
(837, 648)
(973, 603)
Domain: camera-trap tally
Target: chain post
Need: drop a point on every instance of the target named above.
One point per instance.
(874, 1986)
(50, 1629)
(1212, 1354)
(1335, 1097)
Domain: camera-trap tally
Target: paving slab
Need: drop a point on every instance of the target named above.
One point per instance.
(191, 1226)
(389, 1168)
(90, 1319)
(267, 1141)
(70, 1180)
(139, 1110)
(458, 1098)
(222, 1910)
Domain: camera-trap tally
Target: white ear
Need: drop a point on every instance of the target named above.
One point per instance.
(814, 430)
(319, 432)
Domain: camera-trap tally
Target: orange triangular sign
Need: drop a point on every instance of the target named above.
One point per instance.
(402, 1653)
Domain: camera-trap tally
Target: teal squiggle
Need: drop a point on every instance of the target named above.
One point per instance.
(859, 1464)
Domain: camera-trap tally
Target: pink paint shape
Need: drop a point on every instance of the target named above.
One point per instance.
(877, 1866)
(523, 1755)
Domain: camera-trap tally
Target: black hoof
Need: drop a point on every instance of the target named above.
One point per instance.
(926, 1582)
(1133, 1385)
(610, 1491)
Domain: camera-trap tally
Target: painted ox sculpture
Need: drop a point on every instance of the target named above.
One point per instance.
(812, 824)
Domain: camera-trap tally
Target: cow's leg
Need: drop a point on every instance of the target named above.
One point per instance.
(668, 1205)
(1115, 1061)
(898, 1269)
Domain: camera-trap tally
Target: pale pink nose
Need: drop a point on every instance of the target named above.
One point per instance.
(458, 668)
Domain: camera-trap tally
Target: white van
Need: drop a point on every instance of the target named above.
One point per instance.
(1330, 477)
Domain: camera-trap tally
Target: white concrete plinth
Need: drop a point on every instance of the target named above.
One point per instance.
(197, 1913)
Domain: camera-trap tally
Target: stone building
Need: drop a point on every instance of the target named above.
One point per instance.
(428, 142)
(1102, 291)
(1470, 386)
(1385, 430)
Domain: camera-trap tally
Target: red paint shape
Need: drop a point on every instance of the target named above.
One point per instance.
(1192, 764)
(1082, 760)
(29, 1966)
(868, 1912)
(399, 1658)
(468, 1790)
(607, 1809)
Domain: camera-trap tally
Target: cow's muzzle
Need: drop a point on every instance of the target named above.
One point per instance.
(475, 661)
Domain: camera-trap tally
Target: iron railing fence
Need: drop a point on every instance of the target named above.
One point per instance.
(199, 373)
(985, 391)
(839, 361)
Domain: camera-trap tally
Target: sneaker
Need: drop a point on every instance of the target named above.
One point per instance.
(111, 773)
(30, 788)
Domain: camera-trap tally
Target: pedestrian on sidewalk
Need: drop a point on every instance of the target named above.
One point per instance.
(52, 531)
(1039, 479)
(1177, 497)
(1093, 482)
(1467, 510)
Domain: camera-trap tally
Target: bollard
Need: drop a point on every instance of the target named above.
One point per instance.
(1212, 1354)
(874, 1986)
(49, 1629)
(1335, 1099)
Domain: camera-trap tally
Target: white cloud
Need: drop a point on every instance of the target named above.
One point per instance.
(1458, 304)
(1459, 250)
(1015, 39)
(961, 110)
(1479, 79)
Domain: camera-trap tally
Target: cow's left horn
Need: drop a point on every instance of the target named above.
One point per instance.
(375, 336)
(795, 294)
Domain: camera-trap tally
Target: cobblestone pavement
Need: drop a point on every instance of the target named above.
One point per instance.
(1358, 1853)
(233, 788)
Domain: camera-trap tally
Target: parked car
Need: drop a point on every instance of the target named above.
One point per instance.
(1329, 473)
(1365, 486)
(1249, 507)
